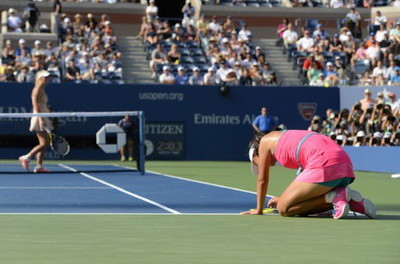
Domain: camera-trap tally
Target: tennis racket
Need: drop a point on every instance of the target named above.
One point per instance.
(58, 144)
(268, 210)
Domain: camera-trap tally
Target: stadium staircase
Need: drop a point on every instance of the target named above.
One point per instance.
(134, 63)
(279, 64)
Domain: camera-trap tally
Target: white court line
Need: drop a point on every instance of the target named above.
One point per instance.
(205, 183)
(190, 180)
(196, 181)
(135, 214)
(121, 190)
(54, 188)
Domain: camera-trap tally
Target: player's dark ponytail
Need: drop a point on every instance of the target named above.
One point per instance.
(256, 141)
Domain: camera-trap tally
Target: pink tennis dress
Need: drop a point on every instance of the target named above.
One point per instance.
(320, 157)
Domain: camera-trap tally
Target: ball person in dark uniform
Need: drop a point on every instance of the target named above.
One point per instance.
(128, 126)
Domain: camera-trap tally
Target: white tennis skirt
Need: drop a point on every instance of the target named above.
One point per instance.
(38, 126)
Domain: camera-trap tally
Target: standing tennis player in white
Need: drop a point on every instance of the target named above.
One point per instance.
(39, 125)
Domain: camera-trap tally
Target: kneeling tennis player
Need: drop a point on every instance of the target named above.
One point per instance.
(324, 172)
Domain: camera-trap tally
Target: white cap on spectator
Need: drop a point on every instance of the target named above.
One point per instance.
(329, 63)
(360, 133)
(321, 75)
(12, 10)
(152, 1)
(332, 115)
(340, 137)
(387, 135)
(237, 63)
(380, 94)
(188, 1)
(177, 25)
(241, 40)
(211, 69)
(107, 22)
(21, 41)
(338, 58)
(258, 48)
(350, 139)
(67, 20)
(255, 64)
(165, 68)
(8, 41)
(180, 68)
(348, 33)
(316, 117)
(332, 133)
(367, 91)
(42, 74)
(225, 40)
(378, 135)
(38, 42)
(196, 69)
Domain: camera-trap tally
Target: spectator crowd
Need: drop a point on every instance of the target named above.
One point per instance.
(86, 51)
(306, 3)
(203, 52)
(345, 57)
(370, 122)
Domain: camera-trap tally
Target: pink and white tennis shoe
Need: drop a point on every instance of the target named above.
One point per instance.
(24, 162)
(361, 205)
(40, 170)
(340, 198)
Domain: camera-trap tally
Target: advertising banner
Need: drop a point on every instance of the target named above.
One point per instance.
(184, 122)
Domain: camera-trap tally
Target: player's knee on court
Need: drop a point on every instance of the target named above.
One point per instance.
(284, 210)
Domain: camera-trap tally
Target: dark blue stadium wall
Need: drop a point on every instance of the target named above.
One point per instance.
(211, 126)
(377, 159)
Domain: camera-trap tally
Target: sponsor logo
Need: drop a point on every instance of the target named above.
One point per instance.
(161, 96)
(164, 129)
(213, 119)
(149, 147)
(307, 110)
(110, 129)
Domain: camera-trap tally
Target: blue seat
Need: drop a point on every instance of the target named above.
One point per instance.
(189, 67)
(360, 67)
(196, 52)
(181, 44)
(252, 3)
(200, 60)
(240, 4)
(192, 44)
(203, 67)
(185, 51)
(311, 24)
(166, 44)
(186, 60)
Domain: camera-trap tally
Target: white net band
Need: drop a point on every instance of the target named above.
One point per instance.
(71, 114)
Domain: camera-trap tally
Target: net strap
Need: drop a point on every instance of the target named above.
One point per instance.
(71, 114)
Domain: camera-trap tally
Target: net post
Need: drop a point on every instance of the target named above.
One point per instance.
(142, 151)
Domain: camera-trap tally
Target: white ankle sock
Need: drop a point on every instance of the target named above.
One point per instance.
(330, 196)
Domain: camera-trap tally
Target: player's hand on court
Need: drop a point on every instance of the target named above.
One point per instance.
(273, 202)
(252, 212)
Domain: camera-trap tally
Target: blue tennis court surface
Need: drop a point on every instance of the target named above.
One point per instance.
(117, 192)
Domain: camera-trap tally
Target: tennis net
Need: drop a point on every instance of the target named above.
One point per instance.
(80, 141)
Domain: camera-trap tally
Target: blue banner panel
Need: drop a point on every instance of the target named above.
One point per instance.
(217, 126)
(165, 141)
(377, 159)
